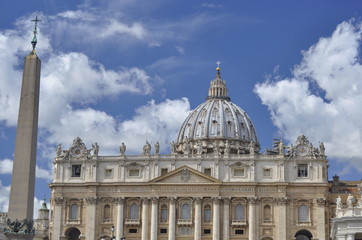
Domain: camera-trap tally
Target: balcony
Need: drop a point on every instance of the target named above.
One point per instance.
(184, 222)
(133, 222)
(73, 221)
(238, 222)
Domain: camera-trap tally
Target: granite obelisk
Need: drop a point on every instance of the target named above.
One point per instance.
(21, 202)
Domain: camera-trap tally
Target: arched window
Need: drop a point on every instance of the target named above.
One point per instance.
(134, 211)
(107, 212)
(303, 213)
(207, 213)
(186, 213)
(74, 211)
(164, 213)
(239, 212)
(303, 235)
(267, 213)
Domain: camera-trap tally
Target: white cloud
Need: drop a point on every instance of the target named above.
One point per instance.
(6, 166)
(4, 197)
(322, 99)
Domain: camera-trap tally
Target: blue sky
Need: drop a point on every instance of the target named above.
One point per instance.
(126, 71)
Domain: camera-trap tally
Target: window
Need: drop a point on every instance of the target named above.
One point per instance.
(164, 213)
(132, 230)
(239, 231)
(303, 214)
(74, 211)
(186, 214)
(164, 171)
(302, 170)
(76, 170)
(207, 213)
(134, 172)
(239, 172)
(108, 173)
(239, 212)
(107, 212)
(207, 231)
(267, 172)
(163, 230)
(134, 211)
(207, 171)
(267, 214)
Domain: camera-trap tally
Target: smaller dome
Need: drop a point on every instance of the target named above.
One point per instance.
(217, 125)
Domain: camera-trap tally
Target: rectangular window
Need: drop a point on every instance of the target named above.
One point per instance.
(239, 231)
(134, 172)
(163, 230)
(76, 170)
(267, 172)
(164, 171)
(132, 230)
(239, 172)
(207, 171)
(302, 170)
(207, 231)
(108, 173)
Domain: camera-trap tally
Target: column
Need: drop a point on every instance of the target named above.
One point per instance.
(226, 226)
(145, 218)
(252, 213)
(57, 221)
(172, 219)
(216, 219)
(197, 232)
(120, 217)
(154, 218)
(321, 224)
(91, 217)
(282, 217)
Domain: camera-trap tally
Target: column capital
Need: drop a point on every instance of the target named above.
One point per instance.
(253, 200)
(119, 200)
(216, 200)
(172, 200)
(154, 200)
(197, 200)
(226, 200)
(91, 200)
(58, 200)
(282, 200)
(145, 200)
(321, 201)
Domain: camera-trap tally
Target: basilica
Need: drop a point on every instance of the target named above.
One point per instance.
(215, 184)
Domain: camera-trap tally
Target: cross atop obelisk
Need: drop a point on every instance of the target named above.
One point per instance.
(23, 177)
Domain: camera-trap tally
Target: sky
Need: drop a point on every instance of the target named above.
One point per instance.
(130, 71)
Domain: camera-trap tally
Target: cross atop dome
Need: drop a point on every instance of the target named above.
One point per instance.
(218, 86)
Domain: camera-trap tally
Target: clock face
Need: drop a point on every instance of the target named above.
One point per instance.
(77, 152)
(302, 150)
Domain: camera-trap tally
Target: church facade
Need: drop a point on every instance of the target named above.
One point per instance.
(215, 184)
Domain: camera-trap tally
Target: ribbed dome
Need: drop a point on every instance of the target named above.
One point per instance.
(217, 125)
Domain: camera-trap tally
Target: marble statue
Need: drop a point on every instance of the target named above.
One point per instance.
(157, 147)
(59, 150)
(173, 147)
(339, 202)
(350, 200)
(227, 148)
(321, 149)
(251, 147)
(199, 147)
(95, 149)
(122, 148)
(147, 148)
(281, 147)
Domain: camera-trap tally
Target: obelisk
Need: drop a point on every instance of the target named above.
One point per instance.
(21, 202)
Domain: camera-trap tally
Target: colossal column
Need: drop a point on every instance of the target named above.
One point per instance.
(216, 219)
(154, 218)
(120, 213)
(145, 219)
(252, 220)
(172, 219)
(321, 231)
(226, 232)
(197, 218)
(91, 217)
(23, 176)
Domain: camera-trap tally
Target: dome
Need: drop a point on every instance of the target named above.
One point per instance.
(217, 125)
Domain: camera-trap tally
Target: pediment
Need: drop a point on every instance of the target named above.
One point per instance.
(185, 174)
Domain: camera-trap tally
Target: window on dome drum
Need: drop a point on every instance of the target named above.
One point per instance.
(74, 211)
(108, 173)
(303, 214)
(207, 213)
(207, 171)
(164, 171)
(134, 172)
(164, 213)
(133, 212)
(267, 172)
(76, 170)
(239, 172)
(267, 214)
(302, 170)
